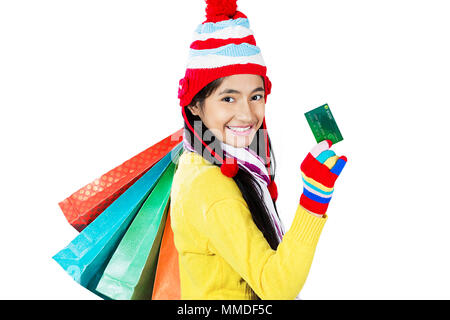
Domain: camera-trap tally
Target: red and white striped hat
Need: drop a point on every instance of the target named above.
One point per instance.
(222, 45)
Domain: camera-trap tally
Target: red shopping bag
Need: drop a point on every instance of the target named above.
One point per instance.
(167, 279)
(84, 205)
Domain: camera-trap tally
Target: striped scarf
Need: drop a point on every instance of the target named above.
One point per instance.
(248, 160)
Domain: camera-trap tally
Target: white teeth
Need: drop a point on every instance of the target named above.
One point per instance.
(239, 129)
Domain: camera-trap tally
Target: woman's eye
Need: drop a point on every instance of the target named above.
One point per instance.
(227, 99)
(258, 95)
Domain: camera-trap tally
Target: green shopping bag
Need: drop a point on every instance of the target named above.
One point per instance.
(131, 271)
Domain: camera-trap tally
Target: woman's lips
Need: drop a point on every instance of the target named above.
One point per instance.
(239, 130)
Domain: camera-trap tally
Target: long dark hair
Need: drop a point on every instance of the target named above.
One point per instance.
(250, 189)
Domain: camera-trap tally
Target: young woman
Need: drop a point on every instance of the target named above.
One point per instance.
(230, 239)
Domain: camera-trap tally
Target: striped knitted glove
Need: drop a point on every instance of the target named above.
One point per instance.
(320, 169)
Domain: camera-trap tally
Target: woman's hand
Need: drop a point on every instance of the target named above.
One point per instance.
(320, 169)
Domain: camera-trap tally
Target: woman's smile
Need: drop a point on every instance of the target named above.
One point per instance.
(240, 130)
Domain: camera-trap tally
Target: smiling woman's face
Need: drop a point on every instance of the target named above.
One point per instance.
(235, 110)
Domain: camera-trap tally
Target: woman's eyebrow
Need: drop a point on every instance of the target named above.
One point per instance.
(236, 91)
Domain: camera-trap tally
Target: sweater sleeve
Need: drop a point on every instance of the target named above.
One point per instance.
(273, 274)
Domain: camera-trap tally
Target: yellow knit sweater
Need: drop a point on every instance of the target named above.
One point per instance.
(220, 248)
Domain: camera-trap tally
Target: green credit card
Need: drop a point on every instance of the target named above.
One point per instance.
(323, 125)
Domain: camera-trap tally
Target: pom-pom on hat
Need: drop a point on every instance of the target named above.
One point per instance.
(217, 10)
(229, 167)
(222, 45)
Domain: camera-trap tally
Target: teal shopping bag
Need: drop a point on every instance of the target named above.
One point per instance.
(131, 271)
(85, 258)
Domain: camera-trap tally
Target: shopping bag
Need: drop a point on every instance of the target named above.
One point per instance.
(167, 278)
(85, 258)
(84, 205)
(130, 272)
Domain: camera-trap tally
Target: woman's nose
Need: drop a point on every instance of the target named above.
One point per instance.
(245, 112)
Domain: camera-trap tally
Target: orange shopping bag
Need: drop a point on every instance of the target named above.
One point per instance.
(167, 279)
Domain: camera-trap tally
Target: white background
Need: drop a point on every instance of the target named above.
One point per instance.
(86, 85)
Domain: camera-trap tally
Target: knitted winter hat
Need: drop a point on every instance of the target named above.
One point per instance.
(222, 45)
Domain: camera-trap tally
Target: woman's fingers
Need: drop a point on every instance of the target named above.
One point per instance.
(340, 164)
(331, 161)
(328, 157)
(324, 155)
(320, 162)
(320, 147)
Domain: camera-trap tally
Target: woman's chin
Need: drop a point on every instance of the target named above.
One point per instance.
(239, 141)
